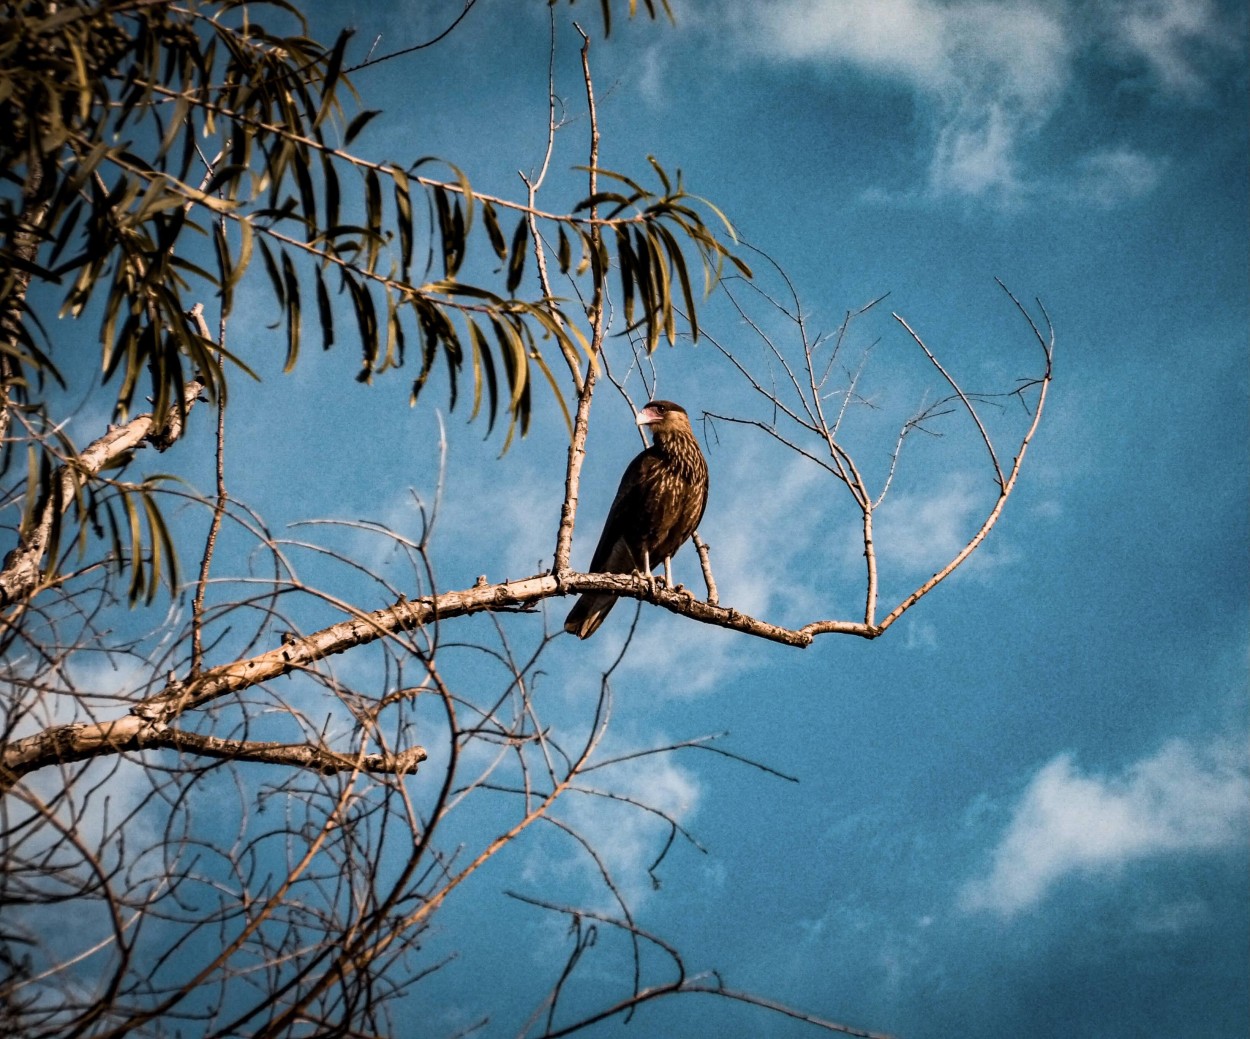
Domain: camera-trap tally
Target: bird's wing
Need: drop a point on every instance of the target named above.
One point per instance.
(618, 548)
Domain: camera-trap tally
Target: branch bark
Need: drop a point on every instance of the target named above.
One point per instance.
(23, 570)
(79, 742)
(147, 724)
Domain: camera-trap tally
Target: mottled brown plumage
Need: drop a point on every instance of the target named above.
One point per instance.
(655, 511)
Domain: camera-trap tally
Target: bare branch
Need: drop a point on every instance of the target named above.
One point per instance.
(598, 326)
(985, 437)
(705, 561)
(1006, 486)
(22, 573)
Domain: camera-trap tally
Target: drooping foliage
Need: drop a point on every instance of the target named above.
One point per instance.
(156, 154)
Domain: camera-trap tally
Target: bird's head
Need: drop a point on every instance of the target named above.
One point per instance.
(663, 416)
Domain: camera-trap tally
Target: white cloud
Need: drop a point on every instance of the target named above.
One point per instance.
(755, 546)
(1115, 175)
(993, 71)
(900, 37)
(1176, 39)
(976, 154)
(992, 75)
(626, 837)
(920, 533)
(1184, 799)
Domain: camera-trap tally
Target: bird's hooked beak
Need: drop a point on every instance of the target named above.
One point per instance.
(649, 415)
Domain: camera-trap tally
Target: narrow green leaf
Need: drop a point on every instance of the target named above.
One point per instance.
(512, 351)
(275, 278)
(329, 84)
(497, 240)
(246, 242)
(225, 279)
(373, 218)
(136, 549)
(588, 249)
(358, 124)
(366, 325)
(459, 227)
(330, 188)
(394, 334)
(325, 315)
(307, 196)
(678, 261)
(403, 210)
(450, 230)
(484, 365)
(625, 259)
(466, 192)
(516, 257)
(293, 320)
(668, 187)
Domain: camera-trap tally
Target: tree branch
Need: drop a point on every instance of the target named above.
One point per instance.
(147, 720)
(595, 315)
(22, 573)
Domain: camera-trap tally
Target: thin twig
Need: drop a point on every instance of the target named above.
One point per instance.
(595, 315)
(219, 505)
(706, 563)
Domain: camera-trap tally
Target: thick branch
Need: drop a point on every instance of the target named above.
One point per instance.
(23, 567)
(23, 246)
(78, 742)
(146, 725)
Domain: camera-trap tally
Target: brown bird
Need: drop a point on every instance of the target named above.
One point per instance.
(655, 511)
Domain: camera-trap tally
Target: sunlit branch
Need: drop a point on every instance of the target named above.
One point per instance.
(23, 567)
(1006, 486)
(596, 317)
(705, 562)
(533, 184)
(985, 437)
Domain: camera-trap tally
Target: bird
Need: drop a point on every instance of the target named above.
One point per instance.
(656, 510)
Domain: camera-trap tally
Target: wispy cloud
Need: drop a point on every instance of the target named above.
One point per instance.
(992, 72)
(916, 533)
(1113, 176)
(1175, 39)
(992, 76)
(1184, 799)
(626, 838)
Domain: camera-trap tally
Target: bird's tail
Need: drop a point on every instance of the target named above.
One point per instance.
(588, 613)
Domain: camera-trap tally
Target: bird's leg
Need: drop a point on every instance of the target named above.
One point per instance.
(646, 565)
(668, 571)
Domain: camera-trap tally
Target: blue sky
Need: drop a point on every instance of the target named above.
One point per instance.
(1024, 810)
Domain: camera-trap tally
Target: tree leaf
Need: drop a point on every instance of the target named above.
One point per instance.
(358, 124)
(516, 256)
(293, 320)
(493, 232)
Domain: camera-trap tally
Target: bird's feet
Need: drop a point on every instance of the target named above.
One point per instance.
(685, 593)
